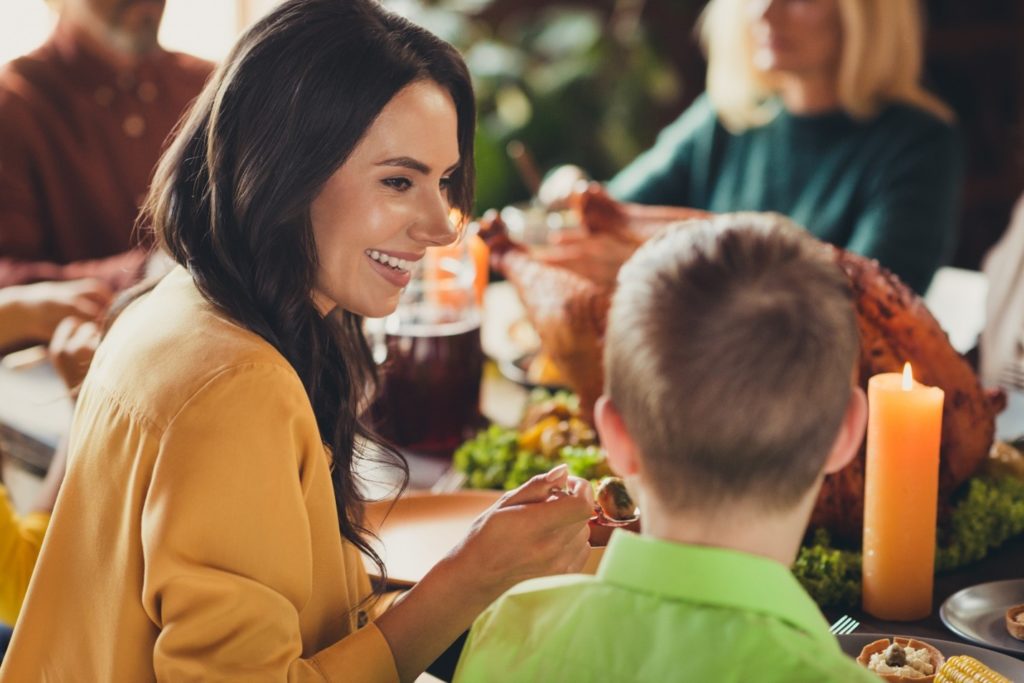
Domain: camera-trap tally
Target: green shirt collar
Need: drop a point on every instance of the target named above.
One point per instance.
(712, 576)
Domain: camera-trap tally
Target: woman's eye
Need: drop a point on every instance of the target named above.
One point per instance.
(446, 183)
(398, 183)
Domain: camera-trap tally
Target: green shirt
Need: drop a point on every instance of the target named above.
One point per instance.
(659, 611)
(887, 188)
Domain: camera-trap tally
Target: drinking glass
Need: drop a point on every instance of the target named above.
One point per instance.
(429, 356)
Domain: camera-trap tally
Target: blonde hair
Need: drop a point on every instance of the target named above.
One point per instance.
(880, 63)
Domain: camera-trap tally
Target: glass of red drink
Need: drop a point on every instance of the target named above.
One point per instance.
(429, 357)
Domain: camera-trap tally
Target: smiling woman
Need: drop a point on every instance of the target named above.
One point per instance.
(211, 522)
(381, 210)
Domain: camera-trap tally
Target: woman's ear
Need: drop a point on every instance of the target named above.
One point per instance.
(851, 432)
(617, 442)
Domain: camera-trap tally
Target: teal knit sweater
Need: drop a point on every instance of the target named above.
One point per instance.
(887, 188)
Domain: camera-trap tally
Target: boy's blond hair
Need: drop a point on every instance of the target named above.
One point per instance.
(880, 62)
(729, 354)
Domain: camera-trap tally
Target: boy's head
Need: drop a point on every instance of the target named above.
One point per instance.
(729, 359)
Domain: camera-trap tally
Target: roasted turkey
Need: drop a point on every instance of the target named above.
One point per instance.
(569, 312)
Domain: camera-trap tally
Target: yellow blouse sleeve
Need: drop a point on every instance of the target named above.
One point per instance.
(20, 541)
(227, 543)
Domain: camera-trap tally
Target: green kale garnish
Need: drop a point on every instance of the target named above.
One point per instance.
(989, 512)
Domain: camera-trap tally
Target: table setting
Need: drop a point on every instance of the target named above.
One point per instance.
(477, 400)
(959, 609)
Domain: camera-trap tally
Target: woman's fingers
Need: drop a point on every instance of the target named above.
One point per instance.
(578, 486)
(538, 488)
(537, 530)
(562, 513)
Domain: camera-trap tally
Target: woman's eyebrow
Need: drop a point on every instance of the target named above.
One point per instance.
(413, 164)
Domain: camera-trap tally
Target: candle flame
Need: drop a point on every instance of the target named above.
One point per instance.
(908, 377)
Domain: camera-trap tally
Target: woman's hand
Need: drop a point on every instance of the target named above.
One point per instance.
(536, 530)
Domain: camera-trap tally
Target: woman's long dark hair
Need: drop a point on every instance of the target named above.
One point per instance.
(230, 199)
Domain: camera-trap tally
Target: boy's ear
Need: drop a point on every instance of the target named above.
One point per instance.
(851, 432)
(622, 451)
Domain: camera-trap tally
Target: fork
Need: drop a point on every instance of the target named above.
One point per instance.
(844, 625)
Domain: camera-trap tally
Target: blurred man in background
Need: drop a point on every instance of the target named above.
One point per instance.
(83, 120)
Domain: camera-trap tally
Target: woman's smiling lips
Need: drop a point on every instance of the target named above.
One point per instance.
(393, 266)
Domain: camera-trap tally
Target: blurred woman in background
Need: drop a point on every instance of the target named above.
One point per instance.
(814, 109)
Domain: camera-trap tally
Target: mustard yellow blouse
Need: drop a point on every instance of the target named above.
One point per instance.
(195, 537)
(20, 539)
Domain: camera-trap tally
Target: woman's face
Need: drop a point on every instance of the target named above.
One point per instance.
(388, 202)
(797, 37)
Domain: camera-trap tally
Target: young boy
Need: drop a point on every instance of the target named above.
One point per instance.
(729, 361)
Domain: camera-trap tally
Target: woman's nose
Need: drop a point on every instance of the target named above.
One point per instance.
(434, 226)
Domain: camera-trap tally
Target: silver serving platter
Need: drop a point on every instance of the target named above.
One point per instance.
(978, 614)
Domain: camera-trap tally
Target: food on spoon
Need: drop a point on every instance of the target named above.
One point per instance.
(964, 669)
(901, 659)
(614, 500)
(1015, 621)
(614, 509)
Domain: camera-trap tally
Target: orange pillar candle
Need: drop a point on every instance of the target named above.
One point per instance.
(901, 491)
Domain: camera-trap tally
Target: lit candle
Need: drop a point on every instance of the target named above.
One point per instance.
(901, 490)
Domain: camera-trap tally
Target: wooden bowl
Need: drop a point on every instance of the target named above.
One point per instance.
(1015, 628)
(879, 645)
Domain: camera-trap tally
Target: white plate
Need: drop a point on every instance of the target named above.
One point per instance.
(1000, 663)
(978, 614)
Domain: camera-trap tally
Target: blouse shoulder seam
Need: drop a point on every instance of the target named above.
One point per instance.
(216, 377)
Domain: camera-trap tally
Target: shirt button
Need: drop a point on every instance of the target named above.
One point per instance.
(147, 91)
(134, 126)
(103, 95)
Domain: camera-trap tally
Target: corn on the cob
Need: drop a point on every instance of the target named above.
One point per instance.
(964, 669)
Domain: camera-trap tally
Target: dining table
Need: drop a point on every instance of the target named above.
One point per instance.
(35, 414)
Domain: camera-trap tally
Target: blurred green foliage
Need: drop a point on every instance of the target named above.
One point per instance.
(574, 84)
(987, 512)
